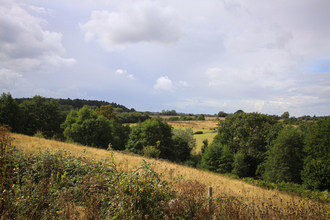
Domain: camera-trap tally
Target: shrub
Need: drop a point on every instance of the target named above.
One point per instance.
(151, 152)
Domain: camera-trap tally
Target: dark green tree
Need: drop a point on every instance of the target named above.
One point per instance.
(149, 133)
(41, 115)
(187, 135)
(9, 112)
(239, 111)
(222, 114)
(88, 128)
(200, 117)
(316, 172)
(285, 115)
(245, 134)
(181, 149)
(284, 158)
(217, 158)
(210, 157)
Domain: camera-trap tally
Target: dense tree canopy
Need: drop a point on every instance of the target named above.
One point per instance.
(9, 112)
(316, 173)
(284, 160)
(149, 133)
(245, 135)
(88, 128)
(41, 115)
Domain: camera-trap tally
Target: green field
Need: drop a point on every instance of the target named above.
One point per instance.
(207, 134)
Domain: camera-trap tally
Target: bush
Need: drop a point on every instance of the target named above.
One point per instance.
(151, 152)
(54, 185)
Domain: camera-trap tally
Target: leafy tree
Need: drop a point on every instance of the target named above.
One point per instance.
(222, 114)
(210, 158)
(284, 159)
(205, 145)
(285, 115)
(132, 117)
(106, 111)
(181, 149)
(226, 160)
(239, 111)
(149, 133)
(87, 128)
(316, 172)
(245, 134)
(9, 112)
(241, 164)
(217, 158)
(41, 115)
(200, 117)
(173, 118)
(187, 135)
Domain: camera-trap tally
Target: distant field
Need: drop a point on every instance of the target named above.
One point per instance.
(207, 126)
(168, 116)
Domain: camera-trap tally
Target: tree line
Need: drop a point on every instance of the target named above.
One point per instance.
(97, 127)
(247, 144)
(256, 145)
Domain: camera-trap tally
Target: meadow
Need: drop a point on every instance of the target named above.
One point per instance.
(207, 126)
(248, 198)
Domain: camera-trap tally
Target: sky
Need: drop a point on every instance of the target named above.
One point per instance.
(191, 56)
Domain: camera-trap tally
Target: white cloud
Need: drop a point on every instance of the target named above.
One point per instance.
(120, 71)
(124, 72)
(9, 79)
(163, 83)
(24, 45)
(134, 23)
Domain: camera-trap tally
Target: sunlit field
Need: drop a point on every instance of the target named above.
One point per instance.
(222, 185)
(207, 126)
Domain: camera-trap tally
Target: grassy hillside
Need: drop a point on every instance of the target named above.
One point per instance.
(222, 185)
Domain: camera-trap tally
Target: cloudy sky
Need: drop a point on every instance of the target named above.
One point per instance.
(189, 55)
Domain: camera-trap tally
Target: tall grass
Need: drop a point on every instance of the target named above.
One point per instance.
(98, 184)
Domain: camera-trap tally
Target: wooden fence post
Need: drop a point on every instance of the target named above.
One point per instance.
(210, 197)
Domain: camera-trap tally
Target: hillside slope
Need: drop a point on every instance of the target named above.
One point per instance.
(222, 185)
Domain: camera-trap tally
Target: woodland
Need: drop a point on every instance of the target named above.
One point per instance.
(273, 149)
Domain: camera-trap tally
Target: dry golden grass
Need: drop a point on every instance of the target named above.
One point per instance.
(222, 185)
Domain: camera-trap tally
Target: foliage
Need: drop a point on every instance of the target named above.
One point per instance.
(54, 185)
(57, 185)
(186, 118)
(316, 172)
(87, 128)
(42, 115)
(132, 117)
(290, 187)
(148, 133)
(180, 150)
(200, 117)
(222, 114)
(9, 112)
(187, 135)
(284, 159)
(168, 112)
(285, 115)
(106, 111)
(79, 103)
(205, 144)
(245, 135)
(239, 111)
(210, 158)
(151, 151)
(173, 118)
